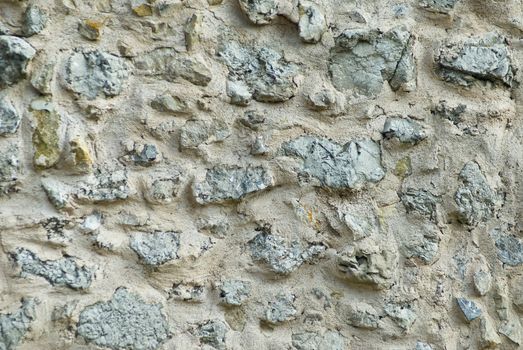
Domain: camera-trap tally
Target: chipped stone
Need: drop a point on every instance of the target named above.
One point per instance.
(198, 131)
(15, 55)
(422, 346)
(162, 187)
(14, 326)
(234, 292)
(81, 159)
(9, 117)
(482, 281)
(470, 310)
(58, 193)
(259, 11)
(336, 166)
(253, 120)
(42, 77)
(259, 146)
(323, 99)
(47, 141)
(312, 22)
(405, 130)
(239, 92)
(192, 31)
(141, 8)
(156, 248)
(489, 338)
(143, 155)
(213, 333)
(91, 223)
(125, 321)
(35, 20)
(363, 315)
(454, 114)
(281, 309)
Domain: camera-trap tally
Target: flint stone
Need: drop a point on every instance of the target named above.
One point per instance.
(486, 58)
(259, 11)
(213, 333)
(281, 309)
(60, 272)
(95, 73)
(156, 248)
(15, 55)
(224, 183)
(362, 60)
(234, 292)
(279, 256)
(125, 321)
(9, 117)
(331, 340)
(469, 309)
(339, 167)
(405, 130)
(14, 326)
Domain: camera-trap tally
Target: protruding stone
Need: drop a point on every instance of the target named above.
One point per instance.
(422, 346)
(156, 248)
(61, 272)
(15, 55)
(108, 184)
(91, 29)
(47, 135)
(9, 117)
(125, 321)
(35, 20)
(489, 338)
(259, 11)
(234, 292)
(470, 310)
(81, 158)
(312, 22)
(42, 77)
(453, 114)
(14, 326)
(281, 309)
(482, 281)
(58, 193)
(192, 31)
(162, 186)
(213, 333)
(144, 155)
(239, 92)
(191, 292)
(171, 104)
(405, 130)
(363, 315)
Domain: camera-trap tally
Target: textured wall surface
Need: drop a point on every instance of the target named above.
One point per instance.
(261, 174)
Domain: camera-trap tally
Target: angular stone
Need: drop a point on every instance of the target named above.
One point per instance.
(46, 135)
(90, 29)
(193, 71)
(213, 333)
(15, 55)
(322, 99)
(331, 340)
(279, 256)
(253, 120)
(477, 202)
(511, 329)
(403, 315)
(197, 131)
(363, 315)
(81, 159)
(422, 346)
(42, 77)
(108, 184)
(192, 30)
(9, 117)
(405, 130)
(234, 292)
(224, 183)
(58, 193)
(141, 8)
(348, 166)
(239, 92)
(91, 223)
(143, 155)
(171, 104)
(362, 60)
(259, 11)
(162, 187)
(281, 309)
(156, 248)
(469, 309)
(92, 73)
(35, 20)
(125, 321)
(312, 22)
(61, 272)
(9, 170)
(486, 58)
(509, 247)
(14, 326)
(420, 201)
(438, 6)
(268, 76)
(489, 338)
(482, 281)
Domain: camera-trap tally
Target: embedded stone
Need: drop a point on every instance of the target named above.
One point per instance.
(141, 8)
(322, 99)
(46, 135)
(422, 346)
(192, 30)
(336, 166)
(438, 6)
(9, 170)
(14, 326)
(108, 184)
(81, 159)
(42, 77)
(420, 201)
(92, 73)
(509, 247)
(224, 183)
(15, 55)
(9, 117)
(239, 92)
(162, 187)
(192, 292)
(405, 130)
(143, 155)
(234, 292)
(124, 321)
(482, 281)
(487, 58)
(60, 272)
(34, 20)
(58, 193)
(281, 309)
(454, 114)
(363, 315)
(259, 11)
(470, 310)
(193, 71)
(403, 315)
(312, 22)
(362, 60)
(156, 248)
(213, 333)
(90, 29)
(198, 131)
(489, 338)
(330, 340)
(171, 104)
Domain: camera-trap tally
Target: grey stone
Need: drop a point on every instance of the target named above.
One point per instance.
(486, 58)
(402, 314)
(239, 92)
(253, 120)
(14, 326)
(90, 29)
(476, 201)
(91, 223)
(422, 246)
(15, 55)
(489, 338)
(125, 321)
(143, 155)
(469, 309)
(265, 72)
(281, 309)
(9, 170)
(438, 6)
(509, 247)
(259, 11)
(322, 99)
(362, 60)
(156, 248)
(234, 292)
(213, 333)
(58, 193)
(197, 131)
(259, 146)
(405, 130)
(92, 73)
(280, 256)
(331, 340)
(336, 166)
(9, 117)
(190, 292)
(420, 201)
(171, 104)
(482, 281)
(454, 114)
(192, 30)
(422, 346)
(162, 187)
(35, 20)
(42, 77)
(224, 183)
(193, 71)
(312, 22)
(109, 184)
(60, 272)
(511, 329)
(363, 315)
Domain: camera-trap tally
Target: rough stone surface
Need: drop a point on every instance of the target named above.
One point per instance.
(46, 136)
(15, 55)
(312, 22)
(156, 248)
(470, 310)
(438, 6)
(259, 11)
(14, 326)
(234, 292)
(35, 20)
(363, 315)
(9, 169)
(213, 333)
(125, 321)
(331, 340)
(280, 309)
(405, 130)
(420, 201)
(9, 117)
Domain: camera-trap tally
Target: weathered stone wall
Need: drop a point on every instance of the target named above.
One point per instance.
(261, 174)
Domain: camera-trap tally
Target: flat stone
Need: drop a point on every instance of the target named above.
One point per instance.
(14, 326)
(438, 6)
(42, 77)
(259, 11)
(281, 309)
(489, 338)
(224, 183)
(336, 166)
(58, 193)
(9, 117)
(93, 73)
(403, 315)
(125, 321)
(170, 104)
(469, 309)
(15, 55)
(156, 248)
(60, 272)
(405, 130)
(107, 184)
(47, 141)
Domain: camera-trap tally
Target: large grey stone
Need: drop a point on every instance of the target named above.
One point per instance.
(124, 322)
(347, 166)
(223, 183)
(312, 22)
(9, 117)
(363, 315)
(156, 248)
(198, 131)
(35, 20)
(402, 314)
(213, 333)
(61, 272)
(15, 55)
(92, 73)
(486, 58)
(362, 60)
(267, 75)
(14, 326)
(108, 184)
(234, 292)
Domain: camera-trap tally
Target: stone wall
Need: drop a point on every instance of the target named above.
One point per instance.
(261, 174)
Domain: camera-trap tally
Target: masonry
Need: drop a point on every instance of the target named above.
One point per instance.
(261, 174)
